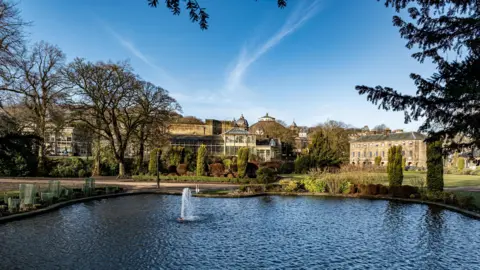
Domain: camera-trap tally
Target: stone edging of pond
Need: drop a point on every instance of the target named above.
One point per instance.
(52, 207)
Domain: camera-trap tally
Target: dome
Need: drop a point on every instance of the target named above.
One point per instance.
(242, 122)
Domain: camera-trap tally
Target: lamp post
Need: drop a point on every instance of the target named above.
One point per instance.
(158, 176)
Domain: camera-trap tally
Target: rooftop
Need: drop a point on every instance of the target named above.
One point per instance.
(237, 131)
(392, 137)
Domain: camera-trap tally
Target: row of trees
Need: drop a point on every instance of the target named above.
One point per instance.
(106, 98)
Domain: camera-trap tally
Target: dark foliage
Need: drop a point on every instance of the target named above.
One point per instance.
(434, 166)
(449, 100)
(17, 155)
(196, 13)
(287, 168)
(266, 175)
(404, 191)
(394, 166)
(251, 170)
(302, 164)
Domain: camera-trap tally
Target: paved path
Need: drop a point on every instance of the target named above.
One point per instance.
(469, 189)
(12, 184)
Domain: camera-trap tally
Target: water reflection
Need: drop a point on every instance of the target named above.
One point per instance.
(141, 232)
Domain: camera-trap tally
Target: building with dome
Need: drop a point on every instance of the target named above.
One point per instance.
(226, 137)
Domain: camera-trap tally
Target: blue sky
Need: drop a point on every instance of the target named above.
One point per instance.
(301, 63)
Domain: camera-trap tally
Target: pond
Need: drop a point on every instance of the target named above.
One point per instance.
(142, 232)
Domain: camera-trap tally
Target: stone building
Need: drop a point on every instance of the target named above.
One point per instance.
(224, 138)
(364, 149)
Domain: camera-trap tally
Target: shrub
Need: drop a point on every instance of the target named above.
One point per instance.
(234, 167)
(378, 160)
(394, 166)
(227, 163)
(182, 169)
(251, 171)
(302, 164)
(66, 167)
(217, 169)
(242, 161)
(172, 169)
(190, 159)
(461, 164)
(82, 173)
(373, 189)
(344, 187)
(175, 155)
(201, 160)
(152, 163)
(314, 185)
(266, 175)
(404, 163)
(287, 168)
(434, 166)
(353, 188)
(382, 190)
(292, 186)
(403, 191)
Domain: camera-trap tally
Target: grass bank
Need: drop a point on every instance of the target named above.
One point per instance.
(410, 178)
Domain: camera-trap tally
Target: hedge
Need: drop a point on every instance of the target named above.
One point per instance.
(200, 179)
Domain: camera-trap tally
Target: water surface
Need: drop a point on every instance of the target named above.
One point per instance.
(141, 232)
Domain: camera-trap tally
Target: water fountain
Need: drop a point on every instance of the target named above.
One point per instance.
(187, 206)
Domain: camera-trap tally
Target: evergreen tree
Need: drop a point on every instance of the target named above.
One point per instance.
(152, 163)
(242, 161)
(196, 13)
(449, 100)
(434, 166)
(201, 160)
(461, 164)
(394, 166)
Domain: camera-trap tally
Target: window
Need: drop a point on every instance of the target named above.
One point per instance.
(364, 154)
(376, 154)
(370, 154)
(383, 153)
(403, 153)
(410, 143)
(353, 154)
(389, 144)
(383, 144)
(410, 154)
(358, 154)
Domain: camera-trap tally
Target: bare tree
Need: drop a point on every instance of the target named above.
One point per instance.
(381, 127)
(37, 81)
(11, 34)
(107, 98)
(156, 107)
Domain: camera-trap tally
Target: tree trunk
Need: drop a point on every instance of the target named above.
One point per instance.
(96, 171)
(121, 169)
(141, 151)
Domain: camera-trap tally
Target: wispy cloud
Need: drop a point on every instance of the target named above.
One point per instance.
(301, 14)
(131, 48)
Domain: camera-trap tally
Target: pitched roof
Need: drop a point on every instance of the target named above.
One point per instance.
(237, 131)
(392, 137)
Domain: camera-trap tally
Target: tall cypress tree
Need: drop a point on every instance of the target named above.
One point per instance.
(201, 160)
(434, 166)
(394, 166)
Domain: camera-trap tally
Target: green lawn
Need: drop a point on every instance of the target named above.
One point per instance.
(450, 180)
